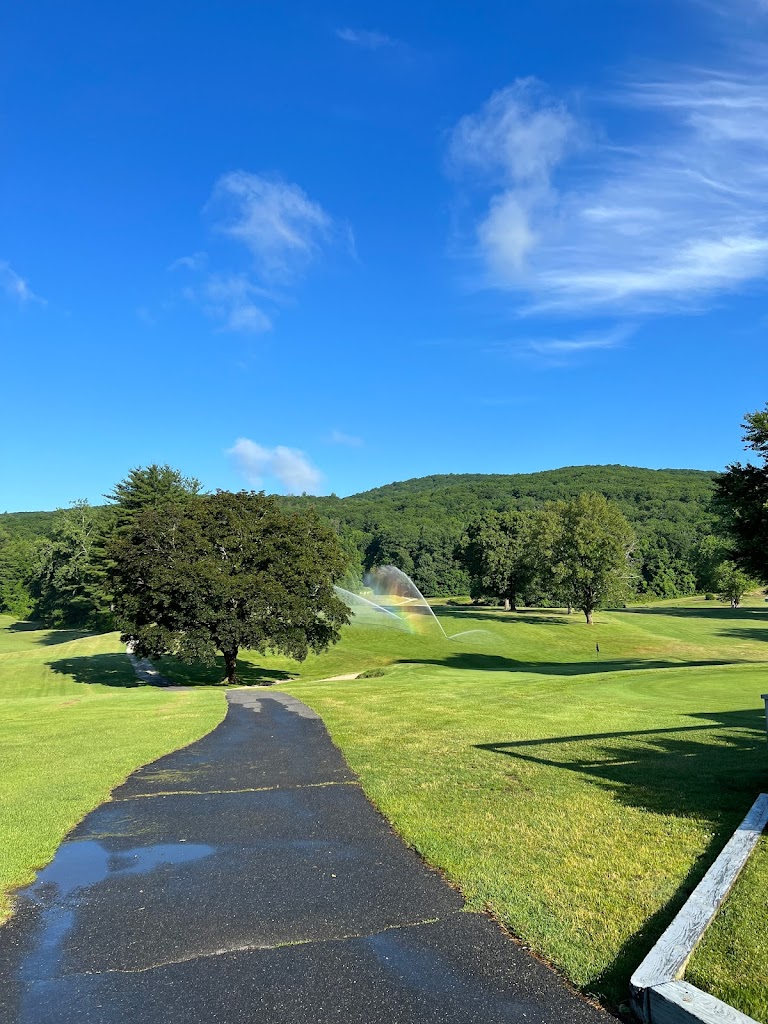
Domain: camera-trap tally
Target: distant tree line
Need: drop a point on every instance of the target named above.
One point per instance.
(519, 539)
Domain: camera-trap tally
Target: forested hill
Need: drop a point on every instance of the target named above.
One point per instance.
(667, 494)
(416, 523)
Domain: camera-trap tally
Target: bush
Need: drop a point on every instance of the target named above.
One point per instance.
(372, 673)
(709, 597)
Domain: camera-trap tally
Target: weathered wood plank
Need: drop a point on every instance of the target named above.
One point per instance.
(677, 1002)
(666, 961)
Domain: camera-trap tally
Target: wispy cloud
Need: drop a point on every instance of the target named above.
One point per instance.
(229, 298)
(16, 286)
(194, 262)
(669, 222)
(289, 466)
(365, 39)
(560, 351)
(350, 440)
(282, 230)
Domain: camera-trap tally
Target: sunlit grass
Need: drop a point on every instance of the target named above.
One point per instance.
(580, 795)
(64, 743)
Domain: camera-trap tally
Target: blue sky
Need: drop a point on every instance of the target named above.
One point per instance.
(323, 247)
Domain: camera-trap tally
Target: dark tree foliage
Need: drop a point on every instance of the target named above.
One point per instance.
(417, 524)
(69, 586)
(669, 511)
(742, 501)
(17, 568)
(495, 551)
(227, 572)
(150, 487)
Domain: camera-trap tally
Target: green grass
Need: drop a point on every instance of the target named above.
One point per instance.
(732, 960)
(73, 724)
(580, 800)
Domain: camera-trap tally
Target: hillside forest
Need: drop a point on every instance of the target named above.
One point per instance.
(444, 531)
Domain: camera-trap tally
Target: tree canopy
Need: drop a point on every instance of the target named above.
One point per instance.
(419, 524)
(742, 501)
(227, 572)
(592, 553)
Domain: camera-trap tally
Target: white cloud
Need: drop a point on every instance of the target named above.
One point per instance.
(16, 286)
(194, 262)
(288, 465)
(282, 230)
(339, 437)
(364, 39)
(520, 133)
(669, 222)
(229, 298)
(560, 349)
(281, 226)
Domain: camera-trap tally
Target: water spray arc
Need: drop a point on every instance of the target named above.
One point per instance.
(396, 596)
(357, 604)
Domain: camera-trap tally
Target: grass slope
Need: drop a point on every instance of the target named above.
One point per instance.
(65, 745)
(579, 801)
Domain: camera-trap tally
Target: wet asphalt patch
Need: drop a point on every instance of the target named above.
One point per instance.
(246, 878)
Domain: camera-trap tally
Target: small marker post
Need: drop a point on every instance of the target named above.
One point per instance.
(597, 652)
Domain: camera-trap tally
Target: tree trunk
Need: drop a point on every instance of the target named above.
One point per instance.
(588, 616)
(507, 605)
(570, 609)
(230, 661)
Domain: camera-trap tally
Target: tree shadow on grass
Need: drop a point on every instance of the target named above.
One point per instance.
(709, 772)
(103, 669)
(723, 614)
(248, 674)
(546, 617)
(50, 637)
(746, 633)
(498, 663)
(116, 670)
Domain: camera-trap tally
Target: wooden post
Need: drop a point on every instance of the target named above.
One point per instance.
(659, 996)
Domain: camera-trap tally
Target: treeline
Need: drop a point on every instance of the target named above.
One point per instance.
(52, 564)
(419, 524)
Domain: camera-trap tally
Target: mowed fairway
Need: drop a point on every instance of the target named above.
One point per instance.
(71, 730)
(578, 796)
(580, 801)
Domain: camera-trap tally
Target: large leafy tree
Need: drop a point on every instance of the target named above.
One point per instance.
(227, 572)
(495, 553)
(733, 583)
(741, 499)
(592, 555)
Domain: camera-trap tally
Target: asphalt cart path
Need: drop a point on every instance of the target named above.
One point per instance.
(246, 878)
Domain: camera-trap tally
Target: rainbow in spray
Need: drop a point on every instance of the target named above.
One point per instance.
(390, 598)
